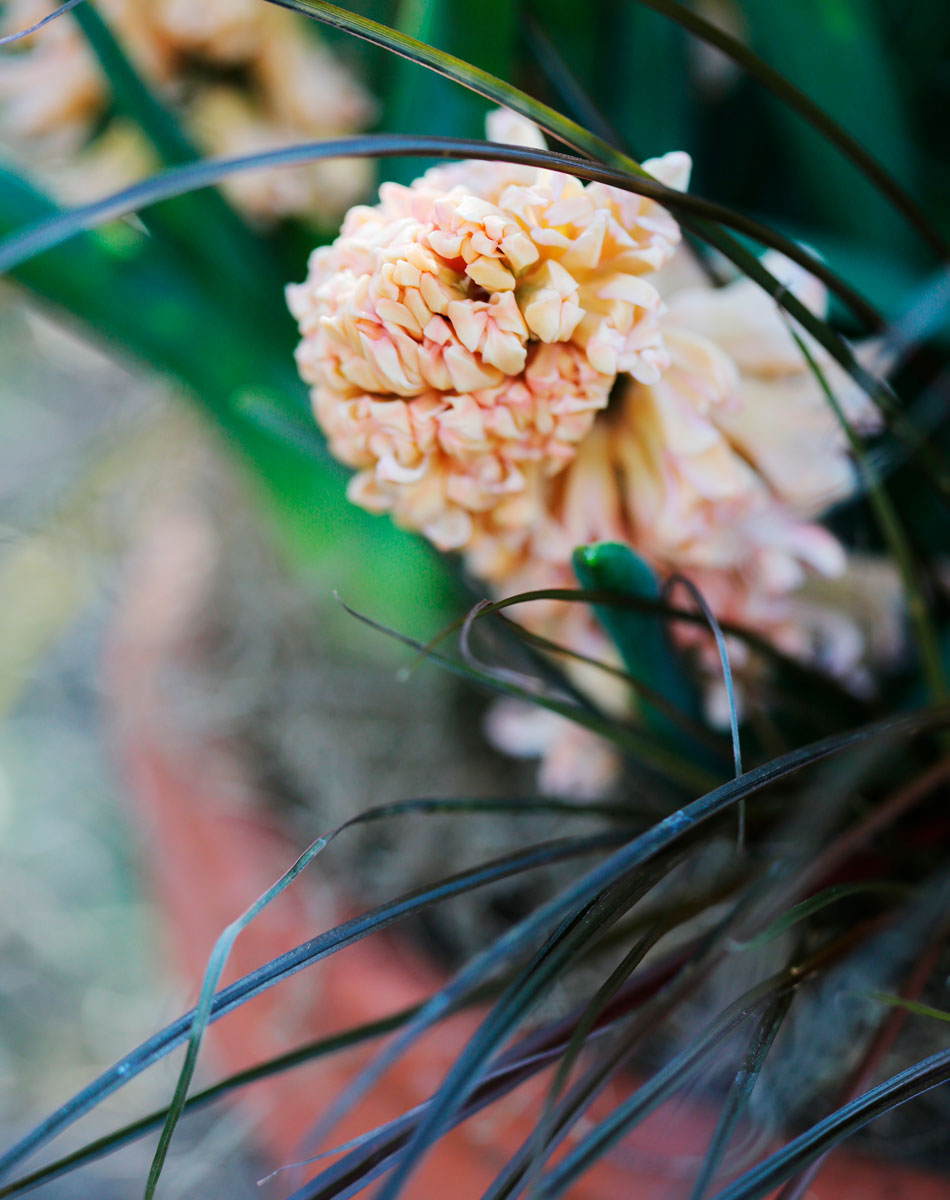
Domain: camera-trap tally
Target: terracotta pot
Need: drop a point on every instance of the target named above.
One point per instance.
(211, 847)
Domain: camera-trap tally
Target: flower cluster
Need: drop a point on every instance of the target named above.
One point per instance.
(246, 76)
(518, 363)
(462, 335)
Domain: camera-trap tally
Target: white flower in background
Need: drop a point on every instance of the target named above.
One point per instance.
(243, 75)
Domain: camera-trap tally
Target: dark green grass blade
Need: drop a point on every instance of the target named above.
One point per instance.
(825, 1135)
(625, 736)
(725, 668)
(636, 853)
(625, 1116)
(892, 529)
(554, 958)
(678, 1072)
(821, 900)
(590, 145)
(694, 728)
(707, 956)
(111, 1142)
(802, 675)
(529, 1055)
(801, 103)
(222, 949)
(215, 969)
(285, 965)
(632, 857)
(564, 81)
(741, 1089)
(190, 177)
(521, 1170)
(925, 914)
(765, 895)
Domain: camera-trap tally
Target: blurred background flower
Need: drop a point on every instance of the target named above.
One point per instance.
(244, 76)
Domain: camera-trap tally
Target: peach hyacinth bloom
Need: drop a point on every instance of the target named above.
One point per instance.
(278, 84)
(517, 363)
(462, 334)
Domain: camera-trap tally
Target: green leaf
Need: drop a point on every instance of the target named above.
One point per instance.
(642, 639)
(420, 102)
(810, 41)
(132, 297)
(645, 73)
(911, 1006)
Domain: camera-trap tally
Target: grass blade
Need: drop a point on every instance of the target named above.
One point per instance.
(911, 1006)
(682, 1067)
(179, 181)
(285, 965)
(111, 1142)
(628, 737)
(892, 529)
(483, 33)
(215, 969)
(561, 949)
(741, 1089)
(636, 854)
(9, 38)
(804, 676)
(531, 1054)
(822, 1137)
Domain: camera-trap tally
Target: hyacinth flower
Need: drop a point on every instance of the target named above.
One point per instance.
(243, 77)
(461, 336)
(518, 363)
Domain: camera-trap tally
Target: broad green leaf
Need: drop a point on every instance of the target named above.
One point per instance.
(833, 51)
(645, 70)
(641, 638)
(420, 102)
